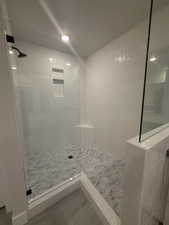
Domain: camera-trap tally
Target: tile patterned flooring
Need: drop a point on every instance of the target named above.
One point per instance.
(45, 169)
(48, 168)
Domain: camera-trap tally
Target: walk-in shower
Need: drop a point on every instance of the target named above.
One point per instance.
(57, 137)
(79, 74)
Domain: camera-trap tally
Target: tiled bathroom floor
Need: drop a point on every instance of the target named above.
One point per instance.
(72, 210)
(106, 175)
(46, 169)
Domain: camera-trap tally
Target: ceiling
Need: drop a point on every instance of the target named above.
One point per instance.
(89, 23)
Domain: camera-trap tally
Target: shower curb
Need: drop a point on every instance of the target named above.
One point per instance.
(102, 208)
(53, 195)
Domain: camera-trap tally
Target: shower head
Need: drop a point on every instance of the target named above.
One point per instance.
(20, 54)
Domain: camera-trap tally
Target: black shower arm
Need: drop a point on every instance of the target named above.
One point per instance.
(17, 49)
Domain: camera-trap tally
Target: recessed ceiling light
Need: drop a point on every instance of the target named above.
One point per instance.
(13, 68)
(10, 52)
(50, 59)
(68, 64)
(153, 59)
(65, 38)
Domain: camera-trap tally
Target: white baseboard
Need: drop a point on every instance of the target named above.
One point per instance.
(20, 219)
(53, 195)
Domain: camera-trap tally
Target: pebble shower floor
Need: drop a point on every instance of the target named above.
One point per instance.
(45, 170)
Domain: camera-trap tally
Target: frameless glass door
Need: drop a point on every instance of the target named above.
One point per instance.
(155, 112)
(48, 86)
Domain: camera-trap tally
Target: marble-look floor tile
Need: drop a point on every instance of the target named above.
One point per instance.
(45, 169)
(106, 174)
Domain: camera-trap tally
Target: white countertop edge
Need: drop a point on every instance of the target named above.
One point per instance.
(151, 138)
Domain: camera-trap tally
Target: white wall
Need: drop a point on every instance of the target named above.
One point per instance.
(114, 82)
(11, 156)
(146, 180)
(48, 119)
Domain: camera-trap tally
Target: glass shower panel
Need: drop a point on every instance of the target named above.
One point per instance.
(155, 115)
(49, 89)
